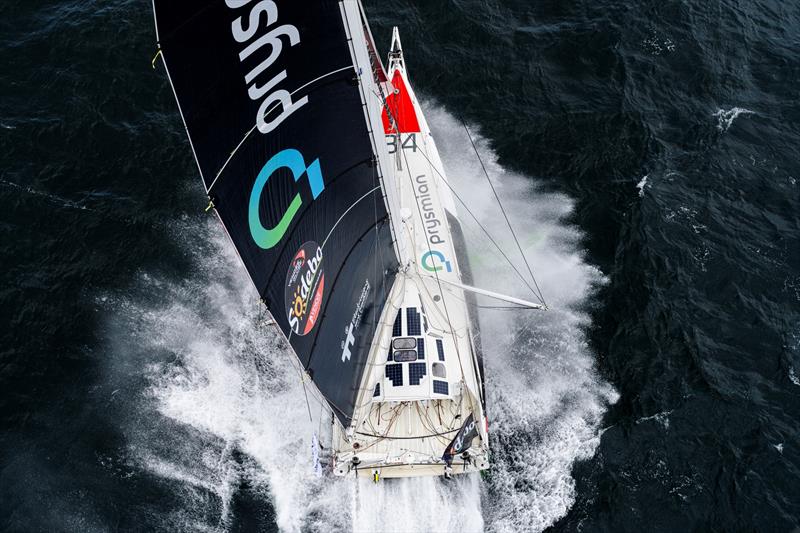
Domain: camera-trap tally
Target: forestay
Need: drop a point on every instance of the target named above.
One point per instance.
(270, 97)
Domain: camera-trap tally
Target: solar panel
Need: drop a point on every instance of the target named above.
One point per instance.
(395, 374)
(440, 349)
(421, 348)
(390, 354)
(416, 371)
(413, 322)
(397, 329)
(440, 387)
(377, 390)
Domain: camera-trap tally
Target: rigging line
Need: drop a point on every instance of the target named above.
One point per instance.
(425, 418)
(483, 228)
(305, 211)
(439, 315)
(428, 424)
(308, 406)
(502, 209)
(294, 360)
(179, 26)
(301, 373)
(505, 307)
(377, 318)
(180, 109)
(394, 415)
(345, 214)
(480, 306)
(319, 428)
(466, 207)
(314, 350)
(270, 110)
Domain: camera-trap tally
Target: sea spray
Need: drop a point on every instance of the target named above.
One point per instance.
(221, 380)
(545, 400)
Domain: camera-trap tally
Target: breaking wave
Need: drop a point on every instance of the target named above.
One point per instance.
(725, 117)
(223, 411)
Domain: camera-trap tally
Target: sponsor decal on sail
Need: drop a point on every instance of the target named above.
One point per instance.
(463, 440)
(267, 46)
(355, 322)
(294, 161)
(305, 288)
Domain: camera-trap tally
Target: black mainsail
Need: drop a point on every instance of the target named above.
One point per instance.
(270, 95)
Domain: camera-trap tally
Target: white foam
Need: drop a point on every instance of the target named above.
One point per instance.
(641, 185)
(221, 380)
(227, 379)
(422, 504)
(657, 44)
(793, 377)
(544, 398)
(57, 200)
(726, 117)
(662, 418)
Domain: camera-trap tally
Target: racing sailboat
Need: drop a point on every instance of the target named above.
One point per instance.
(318, 161)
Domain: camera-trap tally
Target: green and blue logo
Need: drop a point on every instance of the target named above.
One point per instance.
(431, 258)
(294, 161)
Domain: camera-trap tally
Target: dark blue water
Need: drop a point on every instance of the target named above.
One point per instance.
(659, 143)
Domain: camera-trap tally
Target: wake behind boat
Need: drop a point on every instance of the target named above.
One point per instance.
(320, 165)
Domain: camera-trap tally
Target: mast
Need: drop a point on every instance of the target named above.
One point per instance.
(373, 84)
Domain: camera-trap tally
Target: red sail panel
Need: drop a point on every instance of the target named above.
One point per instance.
(401, 108)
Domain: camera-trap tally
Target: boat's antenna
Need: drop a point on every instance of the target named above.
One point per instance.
(538, 292)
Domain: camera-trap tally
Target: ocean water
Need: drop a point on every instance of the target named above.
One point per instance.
(646, 153)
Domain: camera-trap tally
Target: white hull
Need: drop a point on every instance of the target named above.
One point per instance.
(409, 410)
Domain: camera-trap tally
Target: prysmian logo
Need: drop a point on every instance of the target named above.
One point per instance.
(305, 288)
(430, 220)
(430, 258)
(261, 50)
(294, 161)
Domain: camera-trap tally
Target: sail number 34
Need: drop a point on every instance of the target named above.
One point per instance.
(407, 143)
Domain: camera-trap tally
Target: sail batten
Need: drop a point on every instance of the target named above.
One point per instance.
(270, 96)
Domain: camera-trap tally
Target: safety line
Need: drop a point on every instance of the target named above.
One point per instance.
(502, 209)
